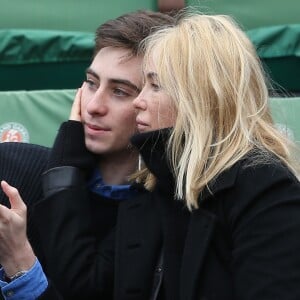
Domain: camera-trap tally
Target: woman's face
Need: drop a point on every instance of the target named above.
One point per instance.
(154, 108)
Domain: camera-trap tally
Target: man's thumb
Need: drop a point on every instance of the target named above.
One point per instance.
(13, 195)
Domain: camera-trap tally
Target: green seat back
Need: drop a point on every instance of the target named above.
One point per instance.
(33, 116)
(286, 114)
(43, 59)
(279, 49)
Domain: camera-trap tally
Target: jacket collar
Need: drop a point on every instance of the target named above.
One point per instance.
(152, 147)
(224, 181)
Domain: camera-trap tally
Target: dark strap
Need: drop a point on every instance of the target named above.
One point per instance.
(61, 178)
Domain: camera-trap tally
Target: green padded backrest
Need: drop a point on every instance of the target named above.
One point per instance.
(33, 116)
(286, 114)
(49, 59)
(279, 49)
(43, 59)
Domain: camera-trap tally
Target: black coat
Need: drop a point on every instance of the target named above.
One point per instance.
(22, 165)
(242, 243)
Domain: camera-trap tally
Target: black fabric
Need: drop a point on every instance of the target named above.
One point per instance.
(60, 178)
(22, 165)
(63, 182)
(69, 257)
(250, 184)
(152, 147)
(50, 293)
(241, 244)
(69, 148)
(173, 213)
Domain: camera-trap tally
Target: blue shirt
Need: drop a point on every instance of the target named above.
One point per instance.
(114, 192)
(32, 284)
(26, 287)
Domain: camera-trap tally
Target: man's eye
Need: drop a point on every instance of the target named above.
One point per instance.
(90, 83)
(120, 92)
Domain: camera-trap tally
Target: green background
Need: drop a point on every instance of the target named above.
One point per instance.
(48, 44)
(40, 112)
(79, 15)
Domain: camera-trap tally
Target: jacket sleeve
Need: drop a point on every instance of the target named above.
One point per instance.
(51, 293)
(264, 218)
(69, 148)
(22, 165)
(78, 261)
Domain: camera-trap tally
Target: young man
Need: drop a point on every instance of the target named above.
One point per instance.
(99, 147)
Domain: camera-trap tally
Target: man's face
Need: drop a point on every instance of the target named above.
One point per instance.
(113, 82)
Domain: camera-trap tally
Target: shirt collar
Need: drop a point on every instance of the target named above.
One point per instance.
(114, 192)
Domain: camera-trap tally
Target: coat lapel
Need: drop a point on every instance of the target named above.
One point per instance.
(199, 234)
(138, 247)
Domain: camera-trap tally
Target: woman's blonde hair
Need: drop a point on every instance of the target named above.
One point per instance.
(210, 68)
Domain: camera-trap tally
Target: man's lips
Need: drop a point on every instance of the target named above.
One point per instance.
(97, 128)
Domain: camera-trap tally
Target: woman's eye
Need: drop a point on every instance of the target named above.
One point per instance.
(155, 86)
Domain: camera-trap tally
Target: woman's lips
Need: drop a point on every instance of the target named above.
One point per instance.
(141, 126)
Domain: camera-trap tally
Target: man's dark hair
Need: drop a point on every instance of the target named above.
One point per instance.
(128, 30)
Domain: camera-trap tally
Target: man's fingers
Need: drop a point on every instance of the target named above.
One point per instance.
(75, 111)
(13, 195)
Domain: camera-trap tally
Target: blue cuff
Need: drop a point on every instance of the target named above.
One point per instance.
(26, 287)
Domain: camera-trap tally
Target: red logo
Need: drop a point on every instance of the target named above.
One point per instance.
(13, 132)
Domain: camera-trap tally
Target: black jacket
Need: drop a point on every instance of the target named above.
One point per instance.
(22, 165)
(242, 243)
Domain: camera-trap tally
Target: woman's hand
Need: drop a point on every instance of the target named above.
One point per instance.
(16, 253)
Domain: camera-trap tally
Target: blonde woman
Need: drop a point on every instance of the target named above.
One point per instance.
(225, 187)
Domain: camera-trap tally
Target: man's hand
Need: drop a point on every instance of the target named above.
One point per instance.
(16, 253)
(75, 114)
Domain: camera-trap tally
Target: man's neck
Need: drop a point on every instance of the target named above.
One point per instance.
(115, 168)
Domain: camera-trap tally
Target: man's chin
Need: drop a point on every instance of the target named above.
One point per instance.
(95, 148)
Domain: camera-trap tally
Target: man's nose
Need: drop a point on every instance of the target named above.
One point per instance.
(98, 103)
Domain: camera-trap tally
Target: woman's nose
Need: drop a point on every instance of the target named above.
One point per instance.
(139, 102)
